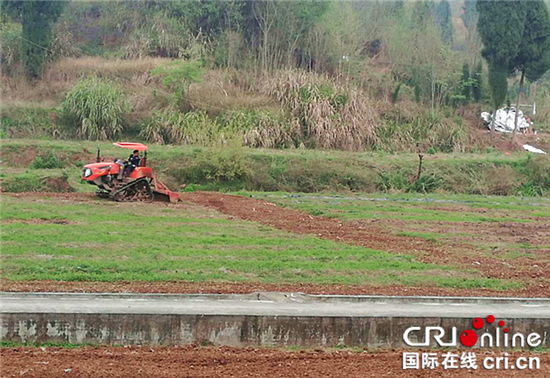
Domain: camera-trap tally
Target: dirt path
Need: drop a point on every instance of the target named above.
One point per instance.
(184, 287)
(193, 361)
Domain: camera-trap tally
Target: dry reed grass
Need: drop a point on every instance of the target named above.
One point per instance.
(218, 93)
(59, 77)
(331, 115)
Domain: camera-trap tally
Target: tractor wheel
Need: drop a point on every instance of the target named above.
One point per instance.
(137, 191)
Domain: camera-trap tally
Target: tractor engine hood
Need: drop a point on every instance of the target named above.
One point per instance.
(101, 165)
(92, 171)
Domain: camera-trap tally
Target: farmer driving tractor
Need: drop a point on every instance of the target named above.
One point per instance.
(133, 161)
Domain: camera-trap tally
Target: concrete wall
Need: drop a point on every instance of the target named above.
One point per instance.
(233, 330)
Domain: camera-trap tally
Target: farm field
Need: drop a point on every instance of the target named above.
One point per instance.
(57, 236)
(213, 242)
(84, 239)
(372, 176)
(506, 227)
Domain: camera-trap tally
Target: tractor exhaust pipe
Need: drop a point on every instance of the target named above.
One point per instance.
(98, 159)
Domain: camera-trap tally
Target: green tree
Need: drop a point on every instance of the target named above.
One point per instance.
(444, 19)
(281, 30)
(469, 15)
(421, 14)
(178, 75)
(477, 82)
(207, 16)
(532, 59)
(37, 19)
(466, 82)
(516, 39)
(498, 82)
(501, 25)
(469, 18)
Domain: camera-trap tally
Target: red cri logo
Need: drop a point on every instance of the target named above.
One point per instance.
(491, 338)
(468, 338)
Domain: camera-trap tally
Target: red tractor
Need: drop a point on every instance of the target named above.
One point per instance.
(123, 181)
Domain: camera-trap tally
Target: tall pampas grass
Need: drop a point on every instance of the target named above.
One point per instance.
(331, 115)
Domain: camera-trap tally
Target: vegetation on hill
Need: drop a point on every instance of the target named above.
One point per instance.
(392, 76)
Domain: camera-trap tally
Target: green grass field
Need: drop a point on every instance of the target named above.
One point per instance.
(406, 206)
(94, 240)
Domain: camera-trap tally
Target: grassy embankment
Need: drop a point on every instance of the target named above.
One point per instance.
(26, 164)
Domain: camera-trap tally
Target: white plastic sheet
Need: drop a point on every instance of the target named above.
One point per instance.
(530, 148)
(505, 118)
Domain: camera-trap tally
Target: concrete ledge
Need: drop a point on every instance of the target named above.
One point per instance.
(279, 296)
(258, 319)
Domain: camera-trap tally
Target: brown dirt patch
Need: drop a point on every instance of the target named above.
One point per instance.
(84, 156)
(21, 157)
(533, 233)
(507, 143)
(195, 361)
(58, 184)
(458, 209)
(523, 248)
(185, 287)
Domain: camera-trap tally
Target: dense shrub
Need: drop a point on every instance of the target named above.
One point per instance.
(63, 44)
(253, 128)
(32, 182)
(178, 75)
(537, 176)
(31, 122)
(47, 161)
(174, 127)
(401, 130)
(226, 165)
(262, 128)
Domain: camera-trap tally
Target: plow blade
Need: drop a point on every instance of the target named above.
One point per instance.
(162, 192)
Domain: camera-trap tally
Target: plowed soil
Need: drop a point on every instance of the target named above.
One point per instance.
(192, 361)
